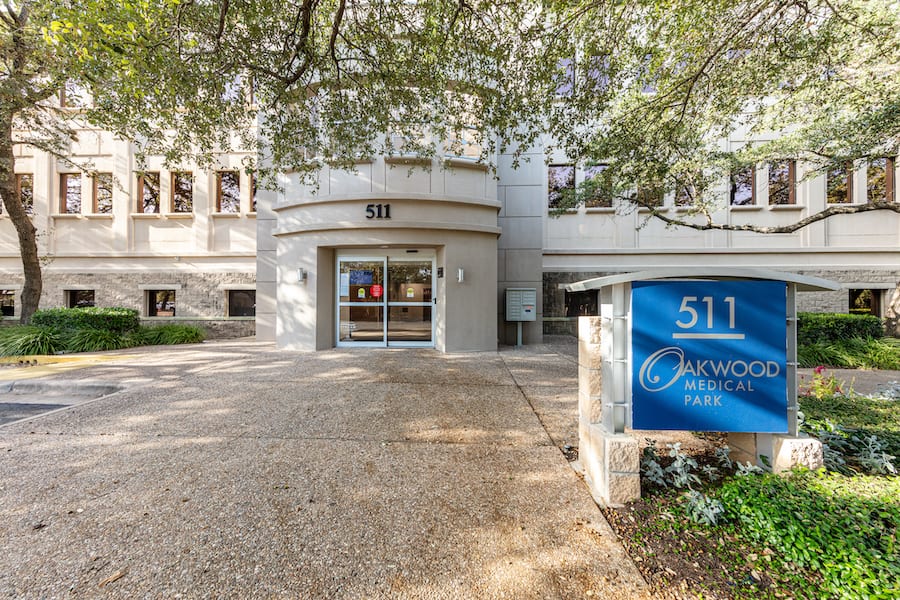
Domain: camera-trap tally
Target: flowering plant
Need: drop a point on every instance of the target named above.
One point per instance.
(823, 385)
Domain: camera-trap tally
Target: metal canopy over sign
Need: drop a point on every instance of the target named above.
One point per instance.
(709, 356)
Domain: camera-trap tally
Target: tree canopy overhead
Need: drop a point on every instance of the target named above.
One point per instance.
(648, 87)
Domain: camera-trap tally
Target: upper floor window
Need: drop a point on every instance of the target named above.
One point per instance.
(252, 192)
(73, 95)
(782, 177)
(103, 193)
(25, 190)
(182, 192)
(743, 189)
(880, 180)
(685, 195)
(70, 193)
(148, 192)
(650, 196)
(598, 186)
(560, 182)
(228, 192)
(839, 184)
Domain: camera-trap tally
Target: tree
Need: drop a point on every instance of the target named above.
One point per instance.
(658, 85)
(649, 87)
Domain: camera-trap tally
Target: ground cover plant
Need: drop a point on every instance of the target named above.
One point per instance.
(63, 330)
(710, 527)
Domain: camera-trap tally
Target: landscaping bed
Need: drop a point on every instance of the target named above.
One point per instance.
(707, 527)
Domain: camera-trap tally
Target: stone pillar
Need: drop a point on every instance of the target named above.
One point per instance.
(611, 461)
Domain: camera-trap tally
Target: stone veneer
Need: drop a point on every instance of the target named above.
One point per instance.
(199, 297)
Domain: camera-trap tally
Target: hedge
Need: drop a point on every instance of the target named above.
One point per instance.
(836, 327)
(119, 320)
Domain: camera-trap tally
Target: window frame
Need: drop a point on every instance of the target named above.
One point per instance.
(152, 311)
(848, 183)
(141, 193)
(11, 293)
(29, 208)
(791, 182)
(64, 189)
(219, 191)
(550, 190)
(70, 296)
(174, 178)
(229, 304)
(733, 187)
(95, 196)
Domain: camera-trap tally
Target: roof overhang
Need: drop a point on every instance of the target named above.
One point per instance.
(804, 283)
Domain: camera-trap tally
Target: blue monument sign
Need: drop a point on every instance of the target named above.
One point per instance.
(709, 355)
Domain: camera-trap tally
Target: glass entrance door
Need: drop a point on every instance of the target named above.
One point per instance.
(385, 301)
(409, 300)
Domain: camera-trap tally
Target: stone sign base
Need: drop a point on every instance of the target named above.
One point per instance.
(778, 452)
(611, 463)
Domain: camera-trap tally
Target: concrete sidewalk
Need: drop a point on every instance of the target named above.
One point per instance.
(232, 469)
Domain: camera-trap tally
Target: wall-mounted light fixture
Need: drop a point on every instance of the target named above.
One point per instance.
(460, 275)
(302, 275)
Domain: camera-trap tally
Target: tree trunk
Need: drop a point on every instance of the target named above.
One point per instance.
(31, 264)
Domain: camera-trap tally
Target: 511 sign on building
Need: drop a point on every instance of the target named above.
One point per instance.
(709, 356)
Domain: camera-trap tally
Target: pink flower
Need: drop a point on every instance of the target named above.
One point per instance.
(819, 370)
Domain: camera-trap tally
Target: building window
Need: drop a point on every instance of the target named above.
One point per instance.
(228, 192)
(103, 193)
(880, 180)
(148, 192)
(685, 195)
(70, 193)
(182, 192)
(581, 304)
(650, 196)
(252, 192)
(839, 184)
(782, 187)
(241, 303)
(25, 190)
(865, 302)
(73, 95)
(8, 303)
(564, 78)
(598, 187)
(743, 192)
(560, 183)
(79, 298)
(160, 303)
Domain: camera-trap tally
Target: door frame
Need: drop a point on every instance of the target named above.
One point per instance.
(384, 256)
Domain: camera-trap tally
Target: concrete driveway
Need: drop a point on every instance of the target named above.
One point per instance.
(232, 469)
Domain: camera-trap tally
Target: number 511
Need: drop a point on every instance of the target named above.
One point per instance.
(688, 304)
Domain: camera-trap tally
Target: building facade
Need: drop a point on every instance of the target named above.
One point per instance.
(411, 251)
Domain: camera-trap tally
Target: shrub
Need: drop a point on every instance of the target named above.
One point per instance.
(94, 340)
(119, 320)
(29, 340)
(852, 353)
(824, 328)
(166, 335)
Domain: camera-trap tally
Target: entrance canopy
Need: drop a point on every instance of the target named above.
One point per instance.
(804, 283)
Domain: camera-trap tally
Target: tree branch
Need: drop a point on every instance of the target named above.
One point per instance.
(850, 209)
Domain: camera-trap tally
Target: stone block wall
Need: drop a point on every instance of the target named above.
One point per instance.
(200, 297)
